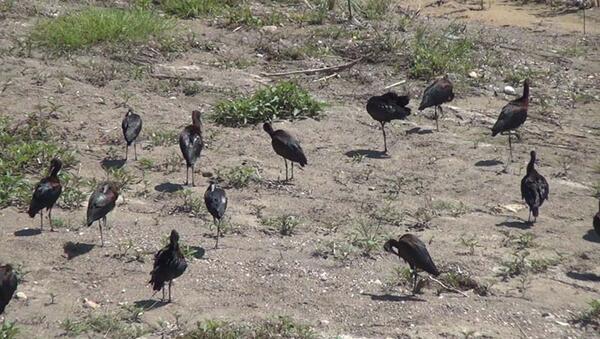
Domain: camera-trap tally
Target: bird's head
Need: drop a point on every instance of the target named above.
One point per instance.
(389, 245)
(268, 128)
(197, 118)
(174, 237)
(55, 166)
(129, 111)
(212, 186)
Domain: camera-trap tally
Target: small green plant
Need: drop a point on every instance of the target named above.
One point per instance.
(119, 325)
(8, 330)
(388, 214)
(464, 282)
(435, 54)
(190, 89)
(470, 243)
(515, 266)
(279, 327)
(400, 276)
(339, 250)
(146, 164)
(517, 75)
(520, 242)
(72, 195)
(244, 16)
(122, 178)
(285, 100)
(591, 316)
(286, 224)
(191, 204)
(375, 9)
(96, 25)
(452, 208)
(172, 163)
(367, 236)
(164, 137)
(239, 176)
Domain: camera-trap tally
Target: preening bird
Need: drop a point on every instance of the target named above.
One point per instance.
(131, 125)
(46, 194)
(191, 144)
(414, 252)
(597, 220)
(101, 202)
(512, 116)
(8, 285)
(286, 146)
(534, 188)
(436, 94)
(216, 203)
(386, 108)
(169, 264)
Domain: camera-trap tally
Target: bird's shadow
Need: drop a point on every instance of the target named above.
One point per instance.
(391, 297)
(419, 130)
(584, 276)
(107, 163)
(28, 232)
(149, 304)
(168, 187)
(592, 236)
(73, 250)
(368, 154)
(520, 224)
(488, 163)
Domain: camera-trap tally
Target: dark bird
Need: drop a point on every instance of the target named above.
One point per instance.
(386, 108)
(413, 251)
(534, 188)
(131, 125)
(191, 144)
(169, 263)
(285, 145)
(597, 220)
(101, 202)
(513, 115)
(46, 194)
(8, 285)
(216, 203)
(436, 94)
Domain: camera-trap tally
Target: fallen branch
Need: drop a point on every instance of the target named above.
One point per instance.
(395, 84)
(316, 70)
(448, 288)
(175, 76)
(327, 77)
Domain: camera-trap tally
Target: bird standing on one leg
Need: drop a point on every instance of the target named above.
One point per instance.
(131, 125)
(436, 94)
(597, 220)
(169, 264)
(512, 116)
(216, 203)
(46, 193)
(8, 285)
(534, 188)
(386, 108)
(414, 252)
(101, 202)
(286, 146)
(191, 144)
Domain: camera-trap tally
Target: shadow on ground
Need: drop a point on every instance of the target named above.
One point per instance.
(28, 232)
(367, 153)
(150, 304)
(592, 236)
(73, 250)
(167, 187)
(520, 224)
(391, 297)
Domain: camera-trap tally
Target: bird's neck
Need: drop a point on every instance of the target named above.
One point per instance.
(54, 172)
(525, 96)
(530, 166)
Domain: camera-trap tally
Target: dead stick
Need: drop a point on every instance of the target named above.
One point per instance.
(448, 288)
(316, 70)
(395, 84)
(174, 76)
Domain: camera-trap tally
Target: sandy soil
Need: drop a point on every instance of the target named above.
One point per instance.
(258, 273)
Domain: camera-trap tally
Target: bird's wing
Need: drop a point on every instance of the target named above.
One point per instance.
(543, 187)
(416, 249)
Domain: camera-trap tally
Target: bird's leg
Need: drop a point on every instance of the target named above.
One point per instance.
(101, 235)
(135, 151)
(50, 219)
(437, 126)
(187, 175)
(126, 151)
(41, 220)
(163, 291)
(193, 182)
(218, 224)
(286, 169)
(384, 137)
(529, 217)
(510, 148)
(292, 176)
(170, 282)
(414, 281)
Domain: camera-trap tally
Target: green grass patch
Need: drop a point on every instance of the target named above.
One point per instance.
(8, 330)
(286, 100)
(591, 316)
(124, 324)
(280, 327)
(238, 176)
(27, 147)
(286, 225)
(188, 9)
(96, 25)
(437, 53)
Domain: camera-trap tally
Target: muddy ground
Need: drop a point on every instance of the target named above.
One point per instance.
(443, 186)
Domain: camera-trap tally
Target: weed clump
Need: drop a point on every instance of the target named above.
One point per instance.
(285, 100)
(188, 9)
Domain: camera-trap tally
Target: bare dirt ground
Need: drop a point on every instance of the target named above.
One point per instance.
(444, 186)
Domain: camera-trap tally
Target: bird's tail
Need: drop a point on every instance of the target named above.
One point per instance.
(157, 284)
(535, 211)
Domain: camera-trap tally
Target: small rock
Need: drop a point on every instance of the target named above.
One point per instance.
(509, 90)
(90, 304)
(269, 29)
(21, 296)
(324, 322)
(473, 75)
